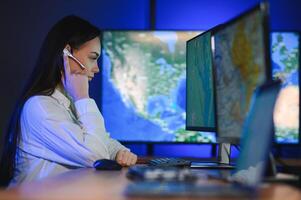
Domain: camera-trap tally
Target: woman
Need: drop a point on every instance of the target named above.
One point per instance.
(56, 125)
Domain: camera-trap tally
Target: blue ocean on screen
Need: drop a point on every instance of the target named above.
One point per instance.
(144, 86)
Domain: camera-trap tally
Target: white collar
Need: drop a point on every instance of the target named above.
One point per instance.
(62, 98)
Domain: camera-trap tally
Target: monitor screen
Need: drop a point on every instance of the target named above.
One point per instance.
(285, 65)
(144, 86)
(200, 93)
(239, 53)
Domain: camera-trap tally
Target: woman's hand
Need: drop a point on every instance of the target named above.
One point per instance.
(75, 84)
(126, 158)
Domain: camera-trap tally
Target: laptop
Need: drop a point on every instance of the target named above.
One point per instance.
(256, 139)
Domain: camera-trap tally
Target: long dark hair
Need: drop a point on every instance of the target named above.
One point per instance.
(46, 76)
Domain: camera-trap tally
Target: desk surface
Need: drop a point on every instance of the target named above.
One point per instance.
(92, 184)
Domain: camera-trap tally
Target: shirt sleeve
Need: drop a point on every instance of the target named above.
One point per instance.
(86, 106)
(52, 134)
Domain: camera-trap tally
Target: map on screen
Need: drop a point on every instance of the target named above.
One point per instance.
(285, 65)
(239, 58)
(200, 93)
(144, 86)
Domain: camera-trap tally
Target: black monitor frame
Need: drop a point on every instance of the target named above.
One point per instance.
(198, 128)
(268, 71)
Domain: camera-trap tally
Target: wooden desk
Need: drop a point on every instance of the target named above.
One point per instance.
(90, 184)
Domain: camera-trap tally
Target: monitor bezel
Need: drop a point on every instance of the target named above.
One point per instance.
(199, 128)
(275, 143)
(101, 80)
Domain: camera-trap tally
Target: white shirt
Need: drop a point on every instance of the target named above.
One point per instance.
(54, 140)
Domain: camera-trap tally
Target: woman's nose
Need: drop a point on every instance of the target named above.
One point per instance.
(95, 69)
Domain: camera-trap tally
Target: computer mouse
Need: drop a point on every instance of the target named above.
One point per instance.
(106, 164)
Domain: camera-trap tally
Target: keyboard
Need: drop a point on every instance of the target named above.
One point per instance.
(169, 162)
(188, 189)
(152, 173)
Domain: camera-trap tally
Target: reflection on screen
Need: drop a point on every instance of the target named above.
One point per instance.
(285, 64)
(200, 102)
(144, 86)
(239, 58)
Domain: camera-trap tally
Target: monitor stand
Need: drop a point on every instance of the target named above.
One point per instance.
(224, 151)
(223, 162)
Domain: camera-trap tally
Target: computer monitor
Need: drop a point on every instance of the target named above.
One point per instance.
(200, 93)
(200, 104)
(241, 63)
(285, 53)
(237, 52)
(144, 87)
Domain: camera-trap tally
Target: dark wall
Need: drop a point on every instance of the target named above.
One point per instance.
(24, 25)
(204, 14)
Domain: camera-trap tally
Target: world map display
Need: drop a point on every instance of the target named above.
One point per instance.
(239, 59)
(285, 63)
(144, 86)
